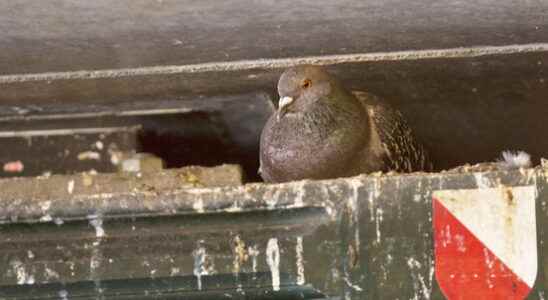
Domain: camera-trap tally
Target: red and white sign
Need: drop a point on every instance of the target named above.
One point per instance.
(485, 242)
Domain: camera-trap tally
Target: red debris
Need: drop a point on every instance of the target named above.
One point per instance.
(14, 167)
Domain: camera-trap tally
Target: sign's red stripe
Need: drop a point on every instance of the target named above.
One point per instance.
(465, 267)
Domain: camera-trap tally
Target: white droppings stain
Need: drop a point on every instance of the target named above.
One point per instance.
(198, 205)
(417, 198)
(234, 207)
(30, 254)
(378, 221)
(351, 285)
(99, 145)
(254, 252)
(482, 182)
(97, 223)
(273, 261)
(70, 187)
(58, 221)
(89, 155)
(273, 200)
(46, 218)
(419, 283)
(115, 157)
(63, 295)
(299, 202)
(300, 261)
(353, 204)
(200, 268)
(175, 271)
(96, 258)
(374, 194)
(23, 276)
(51, 274)
(45, 205)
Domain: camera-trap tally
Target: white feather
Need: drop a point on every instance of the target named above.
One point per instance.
(515, 159)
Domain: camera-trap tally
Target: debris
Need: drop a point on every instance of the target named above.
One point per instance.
(99, 145)
(14, 167)
(89, 155)
(141, 162)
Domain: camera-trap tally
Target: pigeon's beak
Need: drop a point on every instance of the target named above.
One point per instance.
(283, 104)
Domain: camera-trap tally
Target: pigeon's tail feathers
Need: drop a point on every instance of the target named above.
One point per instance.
(515, 159)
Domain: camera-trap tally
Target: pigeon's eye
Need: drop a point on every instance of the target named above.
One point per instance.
(306, 83)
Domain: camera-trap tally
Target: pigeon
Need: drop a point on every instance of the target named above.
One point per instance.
(322, 131)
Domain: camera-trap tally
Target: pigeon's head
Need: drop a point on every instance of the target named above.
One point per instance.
(300, 87)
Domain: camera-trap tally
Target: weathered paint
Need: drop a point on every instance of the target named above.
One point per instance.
(365, 237)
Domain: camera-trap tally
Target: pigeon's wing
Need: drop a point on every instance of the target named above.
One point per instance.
(402, 152)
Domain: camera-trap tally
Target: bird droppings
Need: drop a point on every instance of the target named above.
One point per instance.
(89, 155)
(368, 196)
(423, 289)
(99, 145)
(175, 271)
(70, 186)
(253, 252)
(46, 218)
(482, 182)
(378, 221)
(63, 295)
(273, 261)
(200, 264)
(300, 261)
(51, 275)
(97, 223)
(198, 205)
(21, 273)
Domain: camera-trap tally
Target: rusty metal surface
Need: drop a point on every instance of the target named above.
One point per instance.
(363, 237)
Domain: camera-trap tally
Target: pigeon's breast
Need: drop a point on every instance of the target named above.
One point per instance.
(293, 149)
